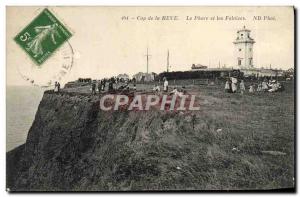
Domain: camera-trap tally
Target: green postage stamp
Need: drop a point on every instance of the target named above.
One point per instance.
(43, 36)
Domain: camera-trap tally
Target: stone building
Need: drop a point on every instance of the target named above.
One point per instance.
(123, 77)
(144, 77)
(244, 49)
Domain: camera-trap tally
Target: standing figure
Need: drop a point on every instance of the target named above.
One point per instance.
(259, 87)
(242, 87)
(134, 83)
(233, 87)
(227, 86)
(110, 85)
(251, 88)
(55, 86)
(264, 86)
(166, 85)
(58, 86)
(233, 84)
(93, 88)
(103, 84)
(100, 86)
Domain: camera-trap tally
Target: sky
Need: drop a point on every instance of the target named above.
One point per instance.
(104, 44)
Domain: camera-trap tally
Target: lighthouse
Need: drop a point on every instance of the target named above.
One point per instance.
(244, 49)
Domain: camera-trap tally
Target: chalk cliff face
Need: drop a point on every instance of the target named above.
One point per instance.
(74, 146)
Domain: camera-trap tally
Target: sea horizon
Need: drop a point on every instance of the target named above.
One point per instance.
(22, 102)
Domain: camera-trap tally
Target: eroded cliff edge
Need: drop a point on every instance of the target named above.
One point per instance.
(72, 145)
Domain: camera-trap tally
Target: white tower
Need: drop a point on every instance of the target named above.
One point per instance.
(244, 49)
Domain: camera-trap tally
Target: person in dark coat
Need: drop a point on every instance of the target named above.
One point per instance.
(134, 83)
(93, 88)
(103, 84)
(100, 86)
(58, 87)
(110, 85)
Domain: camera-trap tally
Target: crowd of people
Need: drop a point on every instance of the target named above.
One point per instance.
(117, 84)
(112, 84)
(232, 84)
(156, 88)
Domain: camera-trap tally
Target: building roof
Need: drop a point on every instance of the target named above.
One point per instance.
(244, 29)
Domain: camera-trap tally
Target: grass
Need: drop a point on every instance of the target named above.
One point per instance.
(218, 147)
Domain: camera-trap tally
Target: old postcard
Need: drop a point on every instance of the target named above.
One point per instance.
(150, 98)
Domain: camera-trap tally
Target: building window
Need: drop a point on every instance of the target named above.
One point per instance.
(240, 49)
(250, 61)
(250, 49)
(239, 62)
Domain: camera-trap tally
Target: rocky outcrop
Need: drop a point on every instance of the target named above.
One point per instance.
(74, 146)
